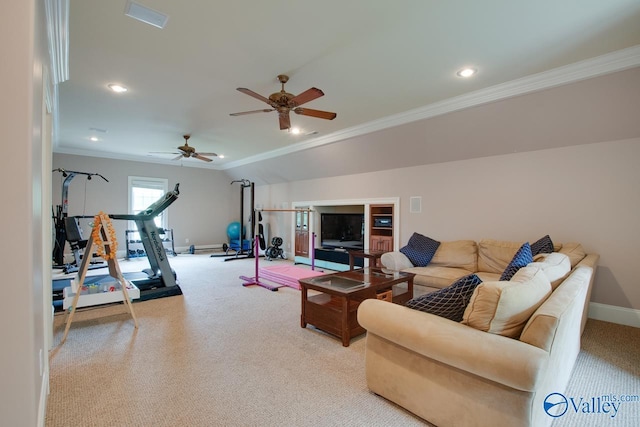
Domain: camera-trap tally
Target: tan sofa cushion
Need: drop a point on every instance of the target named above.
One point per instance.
(488, 277)
(495, 255)
(436, 277)
(574, 251)
(556, 267)
(457, 254)
(504, 307)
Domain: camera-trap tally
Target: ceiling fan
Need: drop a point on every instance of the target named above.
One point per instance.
(283, 102)
(188, 151)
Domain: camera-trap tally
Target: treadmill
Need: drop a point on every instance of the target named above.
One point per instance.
(159, 280)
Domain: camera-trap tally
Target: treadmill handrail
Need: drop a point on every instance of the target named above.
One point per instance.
(154, 209)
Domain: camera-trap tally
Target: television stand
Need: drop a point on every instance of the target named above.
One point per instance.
(337, 256)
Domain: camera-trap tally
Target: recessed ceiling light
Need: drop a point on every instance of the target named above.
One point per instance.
(466, 72)
(117, 88)
(294, 131)
(221, 156)
(94, 139)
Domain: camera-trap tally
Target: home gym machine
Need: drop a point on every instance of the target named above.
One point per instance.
(159, 280)
(67, 228)
(243, 248)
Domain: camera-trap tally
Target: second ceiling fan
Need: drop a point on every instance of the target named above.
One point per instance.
(284, 102)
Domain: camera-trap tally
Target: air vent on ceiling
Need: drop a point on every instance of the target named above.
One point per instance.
(146, 15)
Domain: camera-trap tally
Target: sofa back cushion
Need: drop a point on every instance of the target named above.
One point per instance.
(495, 255)
(504, 307)
(457, 254)
(574, 251)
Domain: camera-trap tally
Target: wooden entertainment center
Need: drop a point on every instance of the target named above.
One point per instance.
(381, 228)
(380, 223)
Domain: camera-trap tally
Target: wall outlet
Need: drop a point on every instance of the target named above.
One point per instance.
(186, 240)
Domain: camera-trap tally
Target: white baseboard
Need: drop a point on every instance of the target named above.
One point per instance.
(614, 314)
(44, 395)
(181, 249)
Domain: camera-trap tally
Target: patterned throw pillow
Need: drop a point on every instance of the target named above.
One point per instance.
(420, 249)
(520, 259)
(449, 302)
(542, 246)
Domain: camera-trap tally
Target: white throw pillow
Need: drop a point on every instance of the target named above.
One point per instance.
(556, 267)
(504, 307)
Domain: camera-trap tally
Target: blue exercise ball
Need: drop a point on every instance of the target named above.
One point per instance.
(233, 231)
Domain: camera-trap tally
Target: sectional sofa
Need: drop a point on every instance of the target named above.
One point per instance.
(516, 345)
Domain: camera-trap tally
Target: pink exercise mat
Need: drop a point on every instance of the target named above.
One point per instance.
(287, 275)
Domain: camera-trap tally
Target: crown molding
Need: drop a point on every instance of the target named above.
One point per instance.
(57, 16)
(138, 159)
(605, 64)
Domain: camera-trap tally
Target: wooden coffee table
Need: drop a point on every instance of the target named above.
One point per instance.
(334, 309)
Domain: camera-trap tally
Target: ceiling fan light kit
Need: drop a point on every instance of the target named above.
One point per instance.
(284, 102)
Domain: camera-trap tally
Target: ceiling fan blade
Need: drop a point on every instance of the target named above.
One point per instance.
(315, 113)
(251, 112)
(208, 154)
(163, 152)
(198, 156)
(285, 121)
(306, 96)
(177, 157)
(253, 94)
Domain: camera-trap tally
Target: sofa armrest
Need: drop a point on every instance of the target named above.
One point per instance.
(504, 360)
(395, 261)
(589, 261)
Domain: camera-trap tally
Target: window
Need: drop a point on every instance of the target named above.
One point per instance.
(142, 193)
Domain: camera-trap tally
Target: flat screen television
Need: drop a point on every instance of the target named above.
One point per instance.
(342, 230)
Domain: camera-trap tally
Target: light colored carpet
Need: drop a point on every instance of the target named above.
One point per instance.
(226, 355)
(220, 355)
(608, 365)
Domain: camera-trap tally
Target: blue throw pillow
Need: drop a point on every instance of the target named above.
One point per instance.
(520, 259)
(542, 246)
(449, 302)
(420, 249)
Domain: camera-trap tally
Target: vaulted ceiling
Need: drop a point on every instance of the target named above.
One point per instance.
(379, 63)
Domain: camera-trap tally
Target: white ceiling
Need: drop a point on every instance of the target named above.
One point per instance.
(373, 60)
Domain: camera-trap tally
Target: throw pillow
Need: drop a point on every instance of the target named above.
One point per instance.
(449, 302)
(556, 267)
(504, 308)
(420, 249)
(520, 259)
(544, 245)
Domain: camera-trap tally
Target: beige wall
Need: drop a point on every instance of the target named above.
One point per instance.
(206, 205)
(23, 358)
(586, 193)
